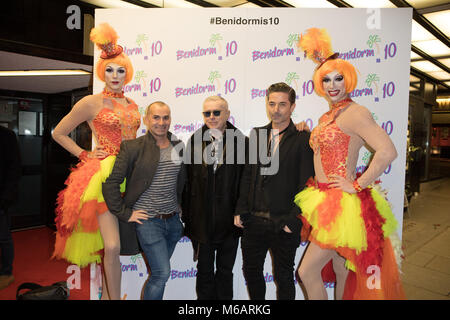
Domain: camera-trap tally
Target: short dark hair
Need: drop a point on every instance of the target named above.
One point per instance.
(282, 87)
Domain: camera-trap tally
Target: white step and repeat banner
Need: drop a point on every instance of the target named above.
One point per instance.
(181, 56)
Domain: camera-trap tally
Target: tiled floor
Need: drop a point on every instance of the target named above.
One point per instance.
(426, 243)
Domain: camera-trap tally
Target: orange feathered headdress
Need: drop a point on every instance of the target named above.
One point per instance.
(105, 37)
(317, 45)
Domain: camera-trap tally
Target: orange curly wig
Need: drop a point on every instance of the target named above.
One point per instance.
(317, 45)
(102, 35)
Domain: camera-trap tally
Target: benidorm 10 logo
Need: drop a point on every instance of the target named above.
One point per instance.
(388, 52)
(183, 274)
(375, 50)
(218, 47)
(229, 84)
(144, 46)
(216, 84)
(135, 264)
(138, 85)
(360, 53)
(382, 89)
(206, 87)
(277, 52)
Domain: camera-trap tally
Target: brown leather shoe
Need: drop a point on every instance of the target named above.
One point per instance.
(6, 281)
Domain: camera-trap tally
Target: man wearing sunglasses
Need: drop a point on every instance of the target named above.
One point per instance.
(266, 209)
(216, 157)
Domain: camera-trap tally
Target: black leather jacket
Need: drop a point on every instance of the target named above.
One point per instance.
(295, 168)
(210, 198)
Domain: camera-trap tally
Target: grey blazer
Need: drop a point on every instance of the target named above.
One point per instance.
(136, 162)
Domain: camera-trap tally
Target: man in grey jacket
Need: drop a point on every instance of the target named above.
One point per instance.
(155, 177)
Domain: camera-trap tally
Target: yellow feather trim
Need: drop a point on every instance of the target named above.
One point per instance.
(103, 34)
(317, 44)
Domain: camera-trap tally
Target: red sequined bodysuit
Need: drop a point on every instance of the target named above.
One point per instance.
(113, 126)
(330, 143)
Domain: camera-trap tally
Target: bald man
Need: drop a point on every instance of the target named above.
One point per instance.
(155, 177)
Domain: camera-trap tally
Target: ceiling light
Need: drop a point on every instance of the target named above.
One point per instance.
(179, 4)
(158, 3)
(433, 48)
(111, 4)
(311, 3)
(415, 56)
(419, 33)
(445, 62)
(440, 75)
(425, 66)
(22, 73)
(229, 3)
(247, 5)
(419, 4)
(172, 3)
(370, 3)
(440, 20)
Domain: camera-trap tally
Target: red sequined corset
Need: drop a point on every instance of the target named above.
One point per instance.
(113, 126)
(333, 143)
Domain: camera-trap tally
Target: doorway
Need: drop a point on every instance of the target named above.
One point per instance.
(25, 117)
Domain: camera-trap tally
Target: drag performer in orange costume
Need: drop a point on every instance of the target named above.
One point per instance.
(84, 224)
(348, 222)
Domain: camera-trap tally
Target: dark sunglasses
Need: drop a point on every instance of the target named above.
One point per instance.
(216, 113)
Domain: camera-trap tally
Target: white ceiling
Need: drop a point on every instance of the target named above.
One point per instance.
(40, 84)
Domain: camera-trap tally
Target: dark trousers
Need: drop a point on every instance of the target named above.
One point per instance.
(216, 283)
(6, 244)
(259, 237)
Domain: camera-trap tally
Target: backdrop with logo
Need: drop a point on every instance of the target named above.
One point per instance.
(181, 56)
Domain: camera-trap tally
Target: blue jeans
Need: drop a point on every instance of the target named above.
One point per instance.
(158, 238)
